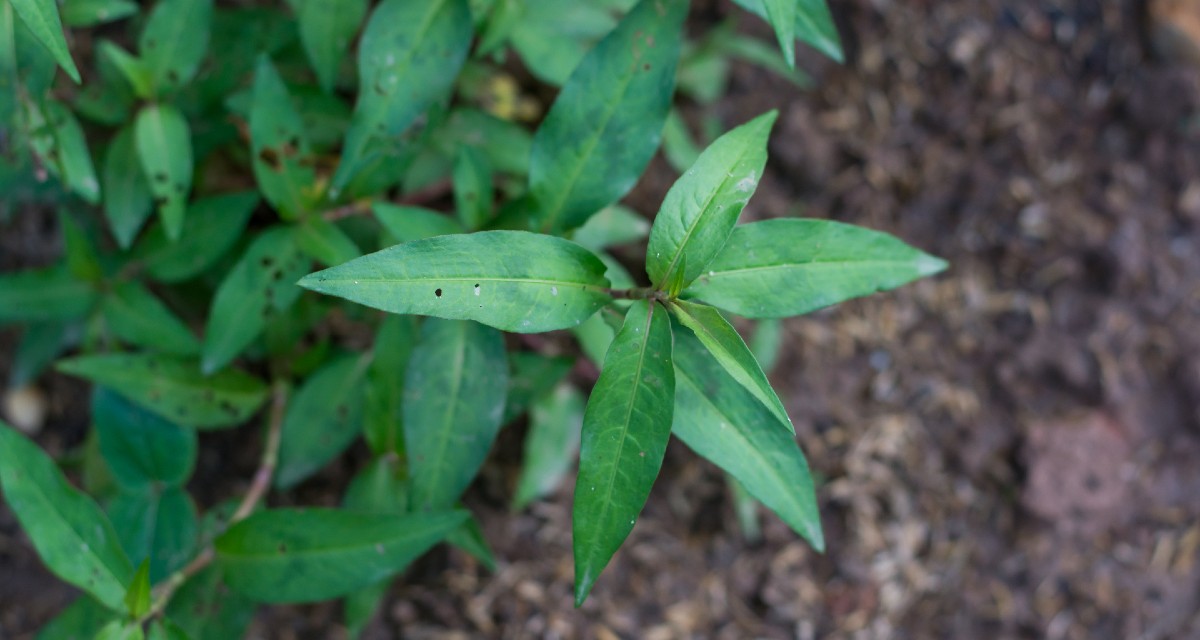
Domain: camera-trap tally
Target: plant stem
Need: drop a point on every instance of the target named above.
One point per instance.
(638, 293)
(421, 196)
(258, 489)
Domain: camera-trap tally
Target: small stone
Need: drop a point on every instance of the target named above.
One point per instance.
(25, 408)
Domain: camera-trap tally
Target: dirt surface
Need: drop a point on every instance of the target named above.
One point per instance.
(1009, 450)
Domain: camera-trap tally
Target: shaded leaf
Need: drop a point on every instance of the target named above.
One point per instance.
(383, 426)
(553, 37)
(132, 68)
(141, 448)
(174, 388)
(40, 344)
(322, 419)
(211, 228)
(472, 187)
(44, 295)
(511, 280)
(414, 223)
(208, 610)
(174, 42)
(613, 225)
(41, 17)
(814, 24)
(138, 317)
(550, 445)
(281, 156)
(469, 538)
(156, 524)
(127, 198)
(786, 267)
(326, 29)
(782, 16)
(625, 430)
(286, 555)
(80, 621)
(58, 139)
(531, 377)
(137, 596)
(88, 13)
(325, 242)
(164, 146)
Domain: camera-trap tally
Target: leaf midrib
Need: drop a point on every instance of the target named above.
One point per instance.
(539, 281)
(815, 264)
(438, 462)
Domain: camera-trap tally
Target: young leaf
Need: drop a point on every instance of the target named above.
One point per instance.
(44, 295)
(137, 597)
(174, 388)
(719, 419)
(326, 29)
(156, 524)
(82, 620)
(322, 419)
(813, 24)
(208, 610)
(69, 531)
(164, 146)
(625, 430)
(166, 630)
(174, 42)
(414, 223)
(531, 377)
(138, 317)
(41, 17)
(553, 37)
(325, 242)
(281, 154)
(511, 280)
(454, 394)
(89, 13)
(702, 207)
(472, 187)
(408, 58)
(606, 123)
(261, 283)
(306, 555)
(782, 16)
(613, 225)
(786, 267)
(127, 198)
(132, 68)
(211, 228)
(724, 343)
(121, 630)
(551, 444)
(140, 448)
(383, 426)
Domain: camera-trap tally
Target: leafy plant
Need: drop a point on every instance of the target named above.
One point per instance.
(193, 321)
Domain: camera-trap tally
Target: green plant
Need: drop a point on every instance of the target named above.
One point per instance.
(436, 119)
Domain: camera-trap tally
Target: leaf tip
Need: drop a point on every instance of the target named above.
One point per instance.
(928, 265)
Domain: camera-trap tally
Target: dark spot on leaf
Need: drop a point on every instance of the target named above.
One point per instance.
(282, 548)
(646, 67)
(343, 412)
(437, 292)
(172, 76)
(228, 407)
(161, 201)
(271, 158)
(160, 176)
(266, 261)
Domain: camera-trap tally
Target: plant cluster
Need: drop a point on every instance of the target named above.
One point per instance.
(231, 164)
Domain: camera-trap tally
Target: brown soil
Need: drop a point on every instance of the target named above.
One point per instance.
(1011, 449)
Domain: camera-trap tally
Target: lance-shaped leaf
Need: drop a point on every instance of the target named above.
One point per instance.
(208, 610)
(138, 317)
(127, 198)
(625, 430)
(174, 42)
(383, 426)
(140, 448)
(71, 534)
(380, 487)
(325, 242)
(132, 68)
(414, 223)
(453, 401)
(40, 345)
(472, 187)
(605, 124)
(531, 377)
(88, 13)
(813, 24)
(786, 267)
(512, 280)
(164, 146)
(260, 284)
(408, 59)
(613, 225)
(41, 17)
(551, 444)
(326, 29)
(211, 228)
(323, 418)
(728, 348)
(80, 621)
(782, 16)
(281, 154)
(121, 630)
(137, 596)
(41, 295)
(156, 524)
(58, 138)
(702, 206)
(174, 388)
(719, 419)
(307, 555)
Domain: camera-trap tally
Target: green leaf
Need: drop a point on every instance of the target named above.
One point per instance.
(414, 223)
(127, 198)
(322, 419)
(606, 123)
(80, 621)
(135, 70)
(511, 280)
(814, 24)
(138, 317)
(83, 260)
(58, 139)
(137, 597)
(166, 630)
(469, 538)
(41, 17)
(164, 146)
(327, 28)
(44, 295)
(260, 284)
(40, 344)
(531, 377)
(315, 554)
(174, 42)
(724, 343)
(550, 445)
(719, 419)
(89, 13)
(472, 187)
(745, 509)
(625, 430)
(506, 144)
(208, 610)
(212, 226)
(678, 147)
(702, 206)
(786, 267)
(141, 449)
(767, 342)
(325, 242)
(281, 156)
(69, 531)
(408, 58)
(454, 394)
(613, 225)
(383, 426)
(174, 388)
(553, 37)
(361, 606)
(156, 524)
(121, 630)
(380, 487)
(782, 16)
